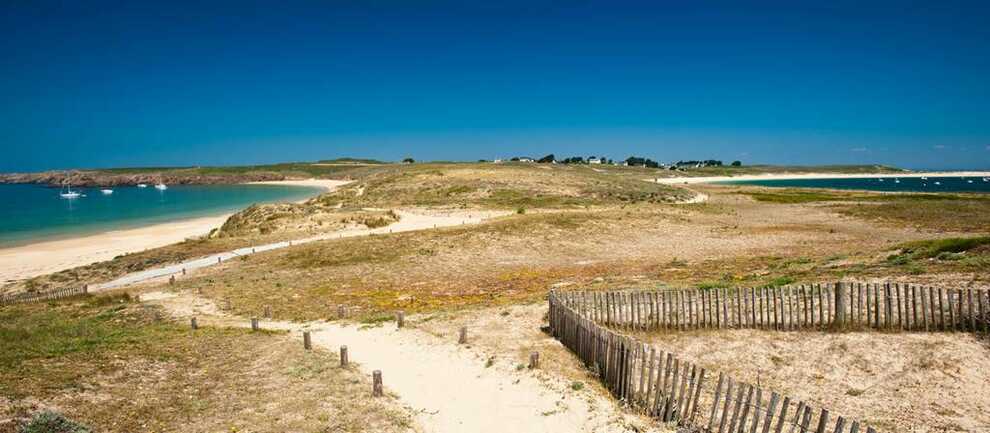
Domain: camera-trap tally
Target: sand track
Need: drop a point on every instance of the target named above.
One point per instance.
(450, 387)
(409, 221)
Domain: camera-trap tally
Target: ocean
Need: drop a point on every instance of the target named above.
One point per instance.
(31, 213)
(905, 184)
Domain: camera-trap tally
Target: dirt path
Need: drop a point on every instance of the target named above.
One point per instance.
(408, 221)
(451, 387)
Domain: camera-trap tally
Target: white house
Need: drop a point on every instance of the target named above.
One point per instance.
(524, 159)
(594, 160)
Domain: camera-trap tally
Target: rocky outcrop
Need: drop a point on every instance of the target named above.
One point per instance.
(102, 178)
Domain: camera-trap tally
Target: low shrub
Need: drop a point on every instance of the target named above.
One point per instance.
(53, 422)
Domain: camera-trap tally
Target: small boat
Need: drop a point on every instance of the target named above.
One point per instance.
(969, 181)
(938, 183)
(106, 191)
(986, 179)
(69, 193)
(897, 181)
(142, 185)
(160, 185)
(924, 177)
(880, 179)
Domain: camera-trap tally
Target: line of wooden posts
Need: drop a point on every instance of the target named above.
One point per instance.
(376, 376)
(49, 295)
(674, 390)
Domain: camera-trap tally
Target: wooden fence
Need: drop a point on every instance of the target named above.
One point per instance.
(819, 306)
(49, 295)
(674, 390)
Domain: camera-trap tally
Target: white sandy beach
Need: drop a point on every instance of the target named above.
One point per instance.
(789, 176)
(26, 261)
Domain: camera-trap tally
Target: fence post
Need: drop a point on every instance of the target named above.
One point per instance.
(376, 386)
(343, 356)
(840, 305)
(193, 324)
(534, 360)
(254, 324)
(463, 336)
(307, 342)
(400, 319)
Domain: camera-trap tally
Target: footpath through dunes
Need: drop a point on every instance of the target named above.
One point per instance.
(408, 221)
(450, 387)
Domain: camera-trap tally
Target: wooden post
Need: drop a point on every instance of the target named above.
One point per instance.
(193, 324)
(218, 259)
(840, 305)
(343, 356)
(307, 342)
(400, 319)
(341, 311)
(254, 324)
(823, 419)
(463, 336)
(534, 360)
(376, 386)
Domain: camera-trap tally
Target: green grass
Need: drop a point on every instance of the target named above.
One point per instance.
(34, 337)
(949, 248)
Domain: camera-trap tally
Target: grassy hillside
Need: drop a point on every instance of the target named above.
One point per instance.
(504, 186)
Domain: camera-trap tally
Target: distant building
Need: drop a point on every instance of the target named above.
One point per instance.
(594, 160)
(498, 161)
(525, 159)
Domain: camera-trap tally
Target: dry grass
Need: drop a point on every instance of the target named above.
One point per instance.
(503, 186)
(729, 241)
(116, 368)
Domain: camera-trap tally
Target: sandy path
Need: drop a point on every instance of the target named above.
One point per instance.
(47, 257)
(408, 221)
(448, 386)
(788, 176)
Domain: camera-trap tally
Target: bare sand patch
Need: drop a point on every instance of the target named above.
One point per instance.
(52, 256)
(905, 382)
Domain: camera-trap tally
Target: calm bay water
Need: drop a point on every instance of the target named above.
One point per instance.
(29, 213)
(908, 184)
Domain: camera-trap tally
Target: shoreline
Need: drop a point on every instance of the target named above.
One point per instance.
(797, 176)
(47, 256)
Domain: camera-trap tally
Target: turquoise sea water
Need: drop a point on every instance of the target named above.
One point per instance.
(908, 184)
(29, 213)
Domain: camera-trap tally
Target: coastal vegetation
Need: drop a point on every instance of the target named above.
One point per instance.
(548, 226)
(115, 363)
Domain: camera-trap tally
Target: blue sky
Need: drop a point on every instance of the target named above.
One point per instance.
(126, 84)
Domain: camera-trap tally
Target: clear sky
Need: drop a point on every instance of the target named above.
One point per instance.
(93, 84)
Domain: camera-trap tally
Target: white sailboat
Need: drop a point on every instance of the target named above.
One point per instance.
(160, 185)
(106, 191)
(142, 185)
(68, 192)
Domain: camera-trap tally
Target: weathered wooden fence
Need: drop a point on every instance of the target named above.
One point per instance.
(675, 390)
(49, 295)
(819, 306)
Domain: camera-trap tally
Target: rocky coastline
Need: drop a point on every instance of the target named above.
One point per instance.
(97, 178)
